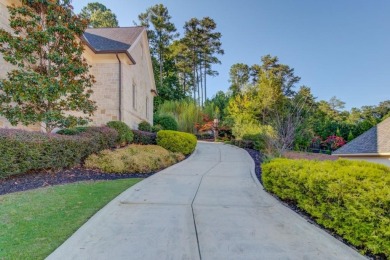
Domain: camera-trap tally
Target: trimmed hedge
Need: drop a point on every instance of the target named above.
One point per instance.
(125, 135)
(23, 151)
(141, 137)
(349, 197)
(177, 142)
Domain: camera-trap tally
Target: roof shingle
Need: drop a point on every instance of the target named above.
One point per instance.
(111, 40)
(374, 141)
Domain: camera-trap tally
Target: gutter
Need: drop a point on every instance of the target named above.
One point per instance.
(120, 87)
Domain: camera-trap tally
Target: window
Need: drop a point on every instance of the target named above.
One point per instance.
(134, 97)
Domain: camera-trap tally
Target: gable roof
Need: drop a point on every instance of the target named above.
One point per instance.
(112, 40)
(375, 141)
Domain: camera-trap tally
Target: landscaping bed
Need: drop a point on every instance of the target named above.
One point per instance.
(256, 156)
(41, 179)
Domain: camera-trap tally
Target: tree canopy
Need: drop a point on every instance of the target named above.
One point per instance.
(98, 15)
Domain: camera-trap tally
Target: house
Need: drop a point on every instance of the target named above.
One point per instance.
(373, 145)
(122, 66)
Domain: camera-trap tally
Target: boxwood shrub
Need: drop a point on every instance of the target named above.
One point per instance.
(350, 197)
(125, 135)
(23, 151)
(145, 126)
(177, 142)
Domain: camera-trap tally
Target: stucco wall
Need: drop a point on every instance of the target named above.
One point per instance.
(381, 160)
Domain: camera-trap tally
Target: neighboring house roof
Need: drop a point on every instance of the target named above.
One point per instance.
(375, 141)
(112, 40)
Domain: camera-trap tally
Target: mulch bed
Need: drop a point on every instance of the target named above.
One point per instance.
(256, 156)
(36, 180)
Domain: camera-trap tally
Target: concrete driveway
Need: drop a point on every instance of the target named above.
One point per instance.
(208, 207)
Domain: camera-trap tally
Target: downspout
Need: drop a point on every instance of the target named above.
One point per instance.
(120, 87)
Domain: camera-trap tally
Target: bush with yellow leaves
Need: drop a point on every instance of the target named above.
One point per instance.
(133, 159)
(350, 197)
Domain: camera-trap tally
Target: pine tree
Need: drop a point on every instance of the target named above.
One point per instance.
(161, 33)
(99, 15)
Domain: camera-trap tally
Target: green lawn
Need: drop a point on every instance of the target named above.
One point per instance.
(34, 223)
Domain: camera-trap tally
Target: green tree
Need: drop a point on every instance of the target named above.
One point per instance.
(99, 15)
(284, 72)
(161, 33)
(51, 78)
(211, 47)
(239, 77)
(203, 43)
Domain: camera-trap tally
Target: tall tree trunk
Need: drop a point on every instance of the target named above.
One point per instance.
(197, 85)
(201, 83)
(205, 85)
(161, 67)
(194, 80)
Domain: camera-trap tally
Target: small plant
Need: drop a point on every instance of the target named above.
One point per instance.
(174, 141)
(350, 136)
(166, 122)
(125, 135)
(145, 126)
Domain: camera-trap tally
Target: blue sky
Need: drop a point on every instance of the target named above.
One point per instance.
(339, 48)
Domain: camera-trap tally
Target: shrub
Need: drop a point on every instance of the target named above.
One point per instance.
(166, 122)
(141, 137)
(23, 151)
(125, 135)
(145, 126)
(72, 131)
(156, 128)
(100, 138)
(174, 141)
(349, 197)
(334, 142)
(133, 159)
(243, 143)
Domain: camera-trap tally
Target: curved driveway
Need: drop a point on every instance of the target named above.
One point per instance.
(207, 207)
